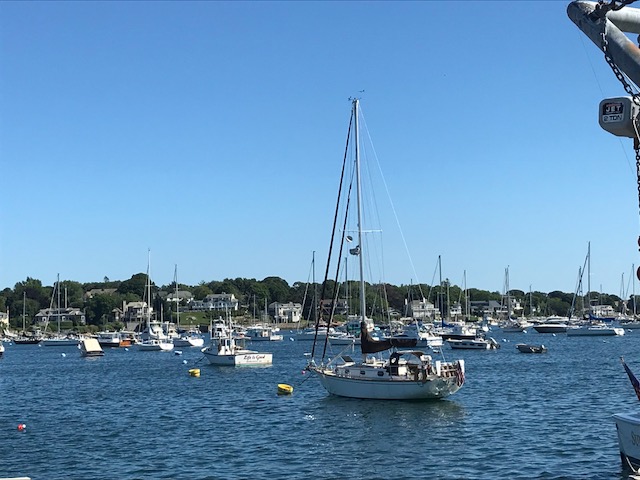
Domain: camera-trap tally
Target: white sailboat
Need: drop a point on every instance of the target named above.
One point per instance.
(189, 338)
(59, 340)
(152, 344)
(405, 374)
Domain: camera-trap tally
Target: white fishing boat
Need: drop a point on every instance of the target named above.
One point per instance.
(403, 375)
(90, 347)
(473, 344)
(189, 339)
(155, 345)
(227, 350)
(261, 333)
(108, 339)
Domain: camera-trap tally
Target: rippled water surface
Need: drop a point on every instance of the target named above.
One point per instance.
(139, 415)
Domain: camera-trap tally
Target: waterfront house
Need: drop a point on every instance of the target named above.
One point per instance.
(286, 312)
(53, 315)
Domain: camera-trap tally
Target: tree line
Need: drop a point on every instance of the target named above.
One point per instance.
(32, 296)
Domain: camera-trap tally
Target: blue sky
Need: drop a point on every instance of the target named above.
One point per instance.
(212, 133)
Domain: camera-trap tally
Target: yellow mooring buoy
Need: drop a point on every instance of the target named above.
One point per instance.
(284, 389)
(194, 372)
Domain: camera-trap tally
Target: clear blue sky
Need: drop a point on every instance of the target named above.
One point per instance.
(213, 133)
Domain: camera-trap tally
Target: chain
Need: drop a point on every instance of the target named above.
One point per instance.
(602, 9)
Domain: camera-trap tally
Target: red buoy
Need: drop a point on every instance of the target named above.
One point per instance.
(22, 427)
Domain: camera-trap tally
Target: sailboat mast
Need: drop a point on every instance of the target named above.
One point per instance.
(58, 309)
(440, 302)
(363, 305)
(24, 309)
(149, 288)
(589, 274)
(175, 279)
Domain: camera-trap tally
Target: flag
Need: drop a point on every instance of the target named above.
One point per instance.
(632, 377)
(459, 375)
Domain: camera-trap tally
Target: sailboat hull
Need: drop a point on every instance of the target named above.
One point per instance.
(387, 389)
(374, 381)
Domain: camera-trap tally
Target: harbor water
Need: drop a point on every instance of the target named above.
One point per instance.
(140, 415)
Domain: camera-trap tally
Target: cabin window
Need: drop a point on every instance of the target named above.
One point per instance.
(380, 374)
(362, 372)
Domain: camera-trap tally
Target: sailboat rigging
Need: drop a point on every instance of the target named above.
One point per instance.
(406, 374)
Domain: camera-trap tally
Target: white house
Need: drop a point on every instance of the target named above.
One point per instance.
(216, 301)
(286, 312)
(422, 309)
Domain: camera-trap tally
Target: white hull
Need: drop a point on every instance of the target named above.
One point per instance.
(188, 342)
(248, 358)
(60, 342)
(155, 346)
(473, 344)
(344, 340)
(270, 338)
(386, 387)
(628, 427)
(594, 331)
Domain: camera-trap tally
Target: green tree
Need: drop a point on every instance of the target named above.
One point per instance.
(99, 308)
(137, 285)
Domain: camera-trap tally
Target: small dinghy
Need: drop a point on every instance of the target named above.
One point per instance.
(526, 348)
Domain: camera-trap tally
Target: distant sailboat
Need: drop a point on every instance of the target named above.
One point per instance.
(189, 338)
(152, 344)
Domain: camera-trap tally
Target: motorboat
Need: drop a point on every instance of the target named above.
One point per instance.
(261, 333)
(155, 345)
(552, 324)
(473, 344)
(527, 348)
(90, 347)
(425, 337)
(108, 339)
(628, 428)
(229, 351)
(456, 331)
(189, 339)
